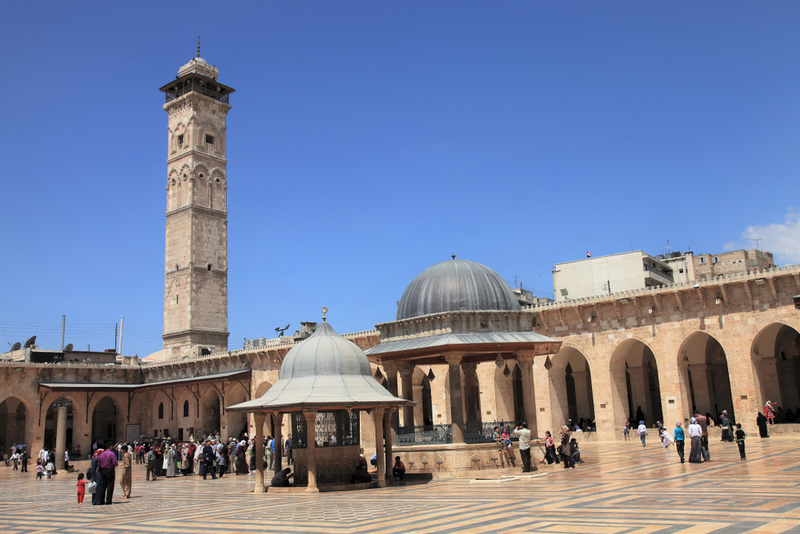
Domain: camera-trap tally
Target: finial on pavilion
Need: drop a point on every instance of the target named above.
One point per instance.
(324, 311)
(453, 256)
(198, 46)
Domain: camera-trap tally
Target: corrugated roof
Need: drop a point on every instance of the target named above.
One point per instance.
(444, 340)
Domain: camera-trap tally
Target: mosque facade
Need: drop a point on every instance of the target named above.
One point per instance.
(469, 357)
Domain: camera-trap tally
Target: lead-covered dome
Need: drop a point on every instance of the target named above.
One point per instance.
(456, 285)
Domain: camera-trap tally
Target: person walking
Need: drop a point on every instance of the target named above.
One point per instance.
(127, 472)
(702, 420)
(696, 435)
(740, 437)
(94, 475)
(150, 460)
(24, 457)
(725, 423)
(172, 461)
(680, 439)
(287, 446)
(208, 460)
(642, 430)
(524, 446)
(269, 454)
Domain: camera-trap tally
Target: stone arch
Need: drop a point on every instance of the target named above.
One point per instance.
(186, 409)
(705, 378)
(15, 418)
(634, 383)
(181, 128)
(237, 422)
(775, 353)
(210, 411)
(161, 414)
(571, 395)
(51, 424)
(105, 420)
(217, 186)
(200, 184)
(421, 387)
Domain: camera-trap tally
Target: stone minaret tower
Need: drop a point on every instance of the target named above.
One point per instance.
(196, 267)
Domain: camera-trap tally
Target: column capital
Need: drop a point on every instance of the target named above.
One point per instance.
(454, 358)
(469, 367)
(526, 357)
(409, 369)
(391, 367)
(259, 417)
(377, 412)
(311, 417)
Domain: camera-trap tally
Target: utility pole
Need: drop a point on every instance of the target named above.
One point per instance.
(63, 326)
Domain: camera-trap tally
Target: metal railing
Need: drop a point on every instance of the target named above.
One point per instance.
(195, 88)
(425, 435)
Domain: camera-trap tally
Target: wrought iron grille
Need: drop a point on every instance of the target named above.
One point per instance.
(482, 432)
(331, 429)
(425, 435)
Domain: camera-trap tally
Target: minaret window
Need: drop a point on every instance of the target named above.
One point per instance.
(209, 139)
(180, 141)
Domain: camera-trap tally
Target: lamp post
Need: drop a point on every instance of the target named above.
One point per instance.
(61, 404)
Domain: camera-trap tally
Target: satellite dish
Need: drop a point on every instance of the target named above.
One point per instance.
(17, 346)
(30, 342)
(68, 348)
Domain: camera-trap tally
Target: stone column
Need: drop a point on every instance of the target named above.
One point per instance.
(408, 394)
(456, 396)
(377, 416)
(311, 451)
(391, 369)
(535, 391)
(387, 417)
(419, 414)
(640, 392)
(61, 437)
(702, 395)
(277, 420)
(259, 452)
(584, 407)
(473, 414)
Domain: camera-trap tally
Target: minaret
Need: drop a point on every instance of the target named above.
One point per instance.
(196, 267)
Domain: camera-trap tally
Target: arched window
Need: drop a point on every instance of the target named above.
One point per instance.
(186, 408)
(161, 411)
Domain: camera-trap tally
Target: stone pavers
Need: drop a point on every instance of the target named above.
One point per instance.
(622, 488)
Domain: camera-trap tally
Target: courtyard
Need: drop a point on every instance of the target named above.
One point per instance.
(622, 488)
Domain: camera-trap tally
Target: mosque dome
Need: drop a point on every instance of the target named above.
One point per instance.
(325, 370)
(456, 285)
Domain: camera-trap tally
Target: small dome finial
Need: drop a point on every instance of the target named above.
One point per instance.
(324, 311)
(453, 256)
(198, 46)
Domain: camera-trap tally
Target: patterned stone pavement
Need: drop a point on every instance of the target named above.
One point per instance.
(622, 488)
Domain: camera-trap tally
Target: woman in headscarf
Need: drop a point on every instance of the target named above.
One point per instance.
(172, 461)
(696, 435)
(127, 473)
(241, 460)
(94, 474)
(761, 421)
(566, 457)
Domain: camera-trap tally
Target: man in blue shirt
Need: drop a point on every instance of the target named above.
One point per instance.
(680, 438)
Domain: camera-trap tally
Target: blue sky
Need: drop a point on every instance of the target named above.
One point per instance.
(370, 140)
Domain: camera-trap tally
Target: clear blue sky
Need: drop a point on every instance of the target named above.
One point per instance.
(370, 140)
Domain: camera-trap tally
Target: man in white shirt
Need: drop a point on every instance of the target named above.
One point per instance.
(642, 432)
(524, 446)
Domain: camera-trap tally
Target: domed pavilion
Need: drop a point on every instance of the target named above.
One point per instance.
(454, 317)
(324, 384)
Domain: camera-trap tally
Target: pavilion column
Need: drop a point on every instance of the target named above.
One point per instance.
(387, 417)
(61, 436)
(419, 414)
(391, 369)
(277, 420)
(473, 414)
(702, 394)
(377, 416)
(456, 395)
(640, 392)
(407, 373)
(259, 452)
(535, 391)
(311, 451)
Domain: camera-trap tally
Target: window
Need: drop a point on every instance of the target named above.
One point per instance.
(701, 261)
(208, 266)
(161, 411)
(679, 270)
(180, 141)
(186, 408)
(715, 260)
(209, 139)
